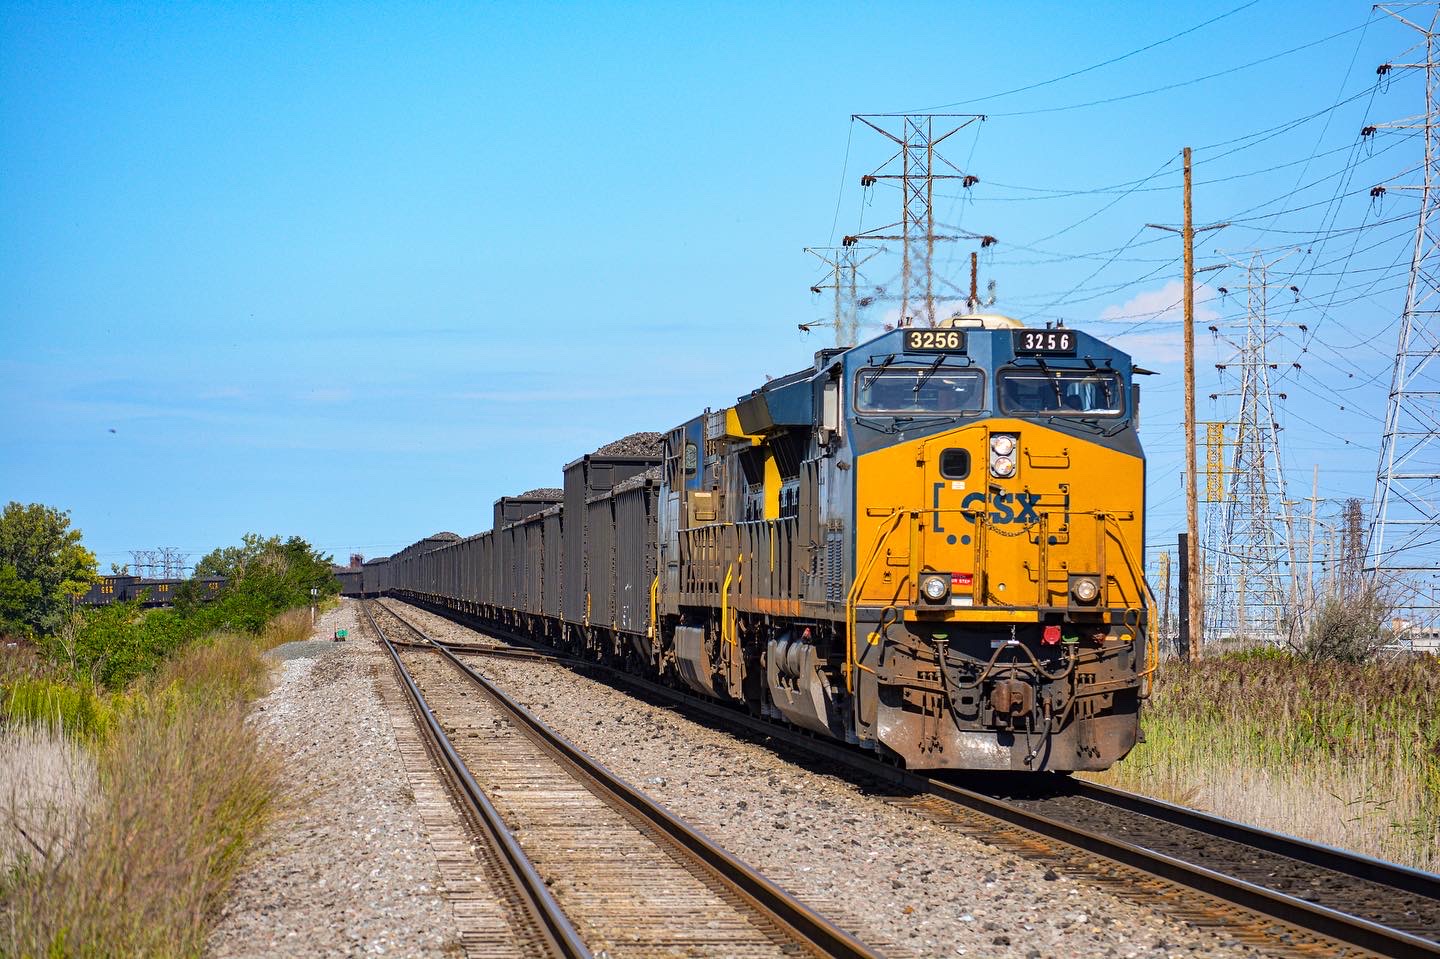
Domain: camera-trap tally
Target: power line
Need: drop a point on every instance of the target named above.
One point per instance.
(1181, 83)
(1096, 66)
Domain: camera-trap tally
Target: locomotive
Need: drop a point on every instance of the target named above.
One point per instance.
(929, 545)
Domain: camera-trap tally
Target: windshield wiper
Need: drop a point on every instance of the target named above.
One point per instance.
(878, 370)
(925, 377)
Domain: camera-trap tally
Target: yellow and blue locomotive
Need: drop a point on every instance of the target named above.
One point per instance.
(929, 545)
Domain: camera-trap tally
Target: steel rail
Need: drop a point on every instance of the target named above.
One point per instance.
(1322, 920)
(556, 930)
(795, 918)
(1352, 864)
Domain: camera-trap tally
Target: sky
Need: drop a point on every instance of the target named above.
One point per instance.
(353, 271)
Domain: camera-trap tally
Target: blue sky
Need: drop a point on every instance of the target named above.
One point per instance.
(352, 271)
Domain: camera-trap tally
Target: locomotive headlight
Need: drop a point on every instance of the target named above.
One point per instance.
(1002, 444)
(1002, 466)
(1085, 588)
(935, 586)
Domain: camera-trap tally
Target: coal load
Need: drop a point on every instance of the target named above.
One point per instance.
(639, 479)
(636, 444)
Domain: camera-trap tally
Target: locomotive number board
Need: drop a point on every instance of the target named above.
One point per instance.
(934, 341)
(1030, 342)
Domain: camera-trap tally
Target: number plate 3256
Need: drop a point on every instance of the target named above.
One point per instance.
(1044, 341)
(934, 341)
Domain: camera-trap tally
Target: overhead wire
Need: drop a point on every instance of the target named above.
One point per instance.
(1094, 66)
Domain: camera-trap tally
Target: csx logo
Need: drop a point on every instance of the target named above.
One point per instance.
(1005, 507)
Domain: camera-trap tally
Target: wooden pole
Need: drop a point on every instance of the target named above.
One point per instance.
(1192, 499)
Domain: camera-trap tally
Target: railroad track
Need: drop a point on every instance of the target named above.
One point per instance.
(599, 867)
(1268, 889)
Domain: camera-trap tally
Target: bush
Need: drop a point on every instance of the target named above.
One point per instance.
(114, 645)
(1348, 627)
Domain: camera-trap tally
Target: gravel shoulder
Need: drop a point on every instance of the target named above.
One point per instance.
(348, 870)
(889, 876)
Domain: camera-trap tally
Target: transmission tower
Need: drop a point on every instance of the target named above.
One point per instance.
(1403, 543)
(142, 561)
(842, 268)
(172, 560)
(1253, 559)
(916, 165)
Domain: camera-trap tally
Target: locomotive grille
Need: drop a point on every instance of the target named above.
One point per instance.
(834, 567)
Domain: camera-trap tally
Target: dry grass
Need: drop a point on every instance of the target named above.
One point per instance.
(181, 789)
(289, 627)
(46, 785)
(1339, 753)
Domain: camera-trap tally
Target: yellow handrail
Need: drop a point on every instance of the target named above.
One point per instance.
(654, 606)
(725, 606)
(1152, 646)
(852, 599)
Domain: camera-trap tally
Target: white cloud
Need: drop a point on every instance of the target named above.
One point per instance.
(1165, 305)
(1154, 320)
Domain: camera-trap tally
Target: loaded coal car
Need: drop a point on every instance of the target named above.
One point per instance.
(108, 589)
(929, 545)
(115, 588)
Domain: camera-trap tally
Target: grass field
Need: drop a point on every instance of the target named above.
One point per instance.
(124, 814)
(1340, 753)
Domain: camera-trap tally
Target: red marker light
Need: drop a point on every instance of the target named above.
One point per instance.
(1051, 635)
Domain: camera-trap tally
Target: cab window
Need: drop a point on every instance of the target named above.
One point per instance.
(919, 390)
(1061, 392)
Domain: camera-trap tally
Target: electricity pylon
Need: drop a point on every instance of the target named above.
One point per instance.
(1402, 551)
(1251, 590)
(915, 166)
(843, 278)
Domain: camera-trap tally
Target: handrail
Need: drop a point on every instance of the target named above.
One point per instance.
(725, 629)
(1152, 646)
(852, 599)
(653, 631)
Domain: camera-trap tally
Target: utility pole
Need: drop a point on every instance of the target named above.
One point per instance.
(1400, 548)
(1310, 546)
(914, 167)
(1194, 588)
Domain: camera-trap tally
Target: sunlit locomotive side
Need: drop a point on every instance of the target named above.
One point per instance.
(929, 545)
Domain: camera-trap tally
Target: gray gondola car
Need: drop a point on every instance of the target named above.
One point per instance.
(586, 477)
(374, 576)
(513, 509)
(350, 579)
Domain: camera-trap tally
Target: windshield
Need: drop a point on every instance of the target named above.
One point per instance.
(1062, 392)
(919, 390)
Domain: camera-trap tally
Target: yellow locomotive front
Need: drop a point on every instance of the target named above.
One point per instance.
(997, 615)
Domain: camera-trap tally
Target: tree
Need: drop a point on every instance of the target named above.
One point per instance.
(42, 567)
(232, 561)
(284, 569)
